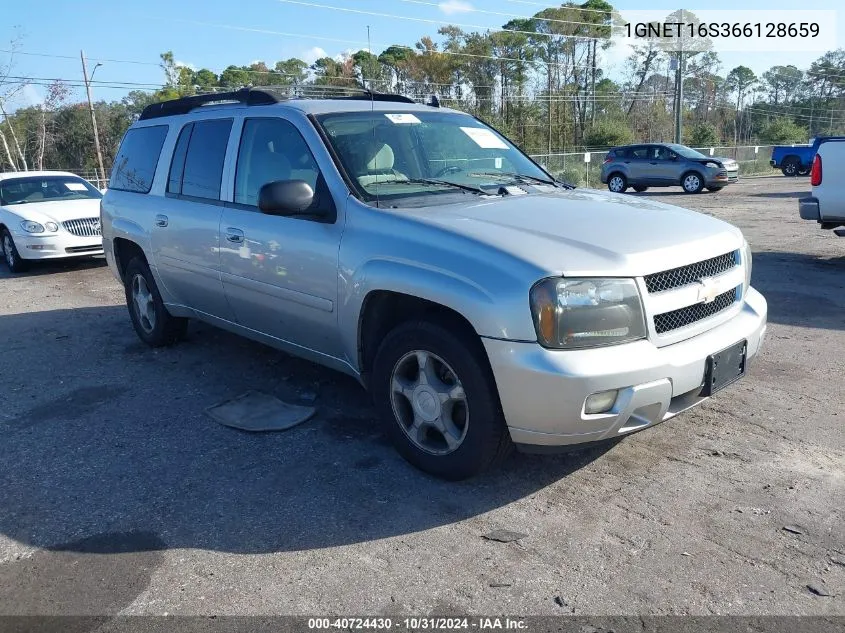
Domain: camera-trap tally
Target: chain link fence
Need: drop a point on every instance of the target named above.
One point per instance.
(579, 168)
(584, 168)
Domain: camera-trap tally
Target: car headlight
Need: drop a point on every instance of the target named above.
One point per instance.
(576, 313)
(52, 227)
(746, 262)
(32, 227)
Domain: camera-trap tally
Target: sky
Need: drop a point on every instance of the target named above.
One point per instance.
(215, 33)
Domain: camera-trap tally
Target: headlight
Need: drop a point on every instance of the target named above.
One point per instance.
(52, 227)
(32, 227)
(575, 313)
(746, 261)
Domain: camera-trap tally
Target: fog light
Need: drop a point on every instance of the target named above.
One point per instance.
(601, 402)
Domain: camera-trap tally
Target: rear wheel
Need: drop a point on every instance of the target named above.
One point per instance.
(640, 188)
(14, 261)
(804, 171)
(790, 166)
(692, 182)
(617, 183)
(153, 323)
(437, 398)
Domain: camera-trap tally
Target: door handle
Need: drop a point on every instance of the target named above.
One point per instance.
(234, 235)
(161, 220)
(627, 162)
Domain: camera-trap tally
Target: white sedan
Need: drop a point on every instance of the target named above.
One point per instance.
(48, 215)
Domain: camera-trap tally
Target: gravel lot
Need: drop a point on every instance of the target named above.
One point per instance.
(119, 495)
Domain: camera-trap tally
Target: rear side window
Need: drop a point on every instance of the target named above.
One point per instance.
(137, 158)
(203, 169)
(177, 165)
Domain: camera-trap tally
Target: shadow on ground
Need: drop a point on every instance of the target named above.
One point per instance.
(104, 443)
(783, 194)
(52, 267)
(802, 290)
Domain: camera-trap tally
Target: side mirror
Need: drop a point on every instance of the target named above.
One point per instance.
(285, 197)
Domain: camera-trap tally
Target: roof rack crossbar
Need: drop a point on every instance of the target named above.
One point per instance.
(254, 97)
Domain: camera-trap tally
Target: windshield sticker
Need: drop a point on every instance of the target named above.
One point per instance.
(76, 186)
(402, 118)
(484, 138)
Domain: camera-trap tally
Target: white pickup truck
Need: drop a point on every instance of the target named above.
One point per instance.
(826, 205)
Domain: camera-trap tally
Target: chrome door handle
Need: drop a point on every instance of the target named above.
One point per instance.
(161, 220)
(234, 235)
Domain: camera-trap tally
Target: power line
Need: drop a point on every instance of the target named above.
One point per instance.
(514, 15)
(429, 21)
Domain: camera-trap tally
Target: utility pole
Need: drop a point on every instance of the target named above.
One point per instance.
(93, 117)
(679, 99)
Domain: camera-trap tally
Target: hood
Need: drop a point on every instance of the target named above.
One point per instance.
(56, 210)
(725, 160)
(583, 232)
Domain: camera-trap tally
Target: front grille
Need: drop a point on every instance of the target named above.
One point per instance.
(682, 317)
(86, 227)
(685, 275)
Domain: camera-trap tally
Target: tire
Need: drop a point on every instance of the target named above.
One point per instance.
(617, 183)
(692, 182)
(154, 325)
(790, 166)
(14, 261)
(640, 188)
(804, 171)
(714, 189)
(454, 369)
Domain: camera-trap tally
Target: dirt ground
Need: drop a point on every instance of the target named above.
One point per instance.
(119, 495)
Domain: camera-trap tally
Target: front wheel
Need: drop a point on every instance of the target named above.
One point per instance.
(692, 182)
(437, 398)
(640, 188)
(153, 323)
(14, 261)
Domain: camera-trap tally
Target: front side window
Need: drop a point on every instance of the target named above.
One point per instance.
(137, 158)
(271, 150)
(46, 189)
(204, 158)
(396, 155)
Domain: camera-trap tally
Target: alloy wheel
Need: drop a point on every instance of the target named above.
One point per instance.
(144, 303)
(429, 402)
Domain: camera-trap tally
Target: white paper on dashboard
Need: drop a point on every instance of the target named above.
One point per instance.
(402, 118)
(76, 186)
(484, 138)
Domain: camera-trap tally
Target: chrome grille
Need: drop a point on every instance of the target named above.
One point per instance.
(85, 227)
(675, 319)
(685, 275)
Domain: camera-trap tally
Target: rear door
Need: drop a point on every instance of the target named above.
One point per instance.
(636, 161)
(185, 235)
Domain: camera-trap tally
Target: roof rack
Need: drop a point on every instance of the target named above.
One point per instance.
(256, 97)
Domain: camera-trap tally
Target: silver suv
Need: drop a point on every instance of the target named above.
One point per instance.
(481, 302)
(658, 165)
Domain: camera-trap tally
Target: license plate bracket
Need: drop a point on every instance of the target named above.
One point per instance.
(724, 368)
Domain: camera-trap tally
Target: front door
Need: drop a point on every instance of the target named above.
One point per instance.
(665, 166)
(280, 273)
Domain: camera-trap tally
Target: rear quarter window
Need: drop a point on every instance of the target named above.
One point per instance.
(137, 158)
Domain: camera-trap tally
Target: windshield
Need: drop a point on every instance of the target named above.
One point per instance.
(46, 189)
(393, 155)
(687, 152)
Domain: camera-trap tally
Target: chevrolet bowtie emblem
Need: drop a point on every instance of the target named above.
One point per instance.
(708, 290)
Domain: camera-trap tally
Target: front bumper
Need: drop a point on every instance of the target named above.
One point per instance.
(56, 245)
(543, 391)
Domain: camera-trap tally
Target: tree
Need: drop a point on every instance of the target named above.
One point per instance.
(702, 135)
(740, 81)
(781, 131)
(608, 134)
(783, 83)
